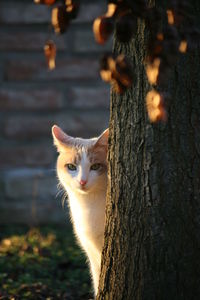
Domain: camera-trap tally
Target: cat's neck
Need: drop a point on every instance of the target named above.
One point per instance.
(87, 198)
(88, 213)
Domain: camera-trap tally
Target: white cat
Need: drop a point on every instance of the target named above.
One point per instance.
(82, 170)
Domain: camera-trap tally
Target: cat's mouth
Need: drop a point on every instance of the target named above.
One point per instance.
(83, 189)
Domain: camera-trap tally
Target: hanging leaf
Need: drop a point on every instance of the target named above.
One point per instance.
(50, 54)
(155, 106)
(47, 2)
(117, 71)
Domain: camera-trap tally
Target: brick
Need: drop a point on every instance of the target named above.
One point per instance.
(34, 127)
(84, 41)
(26, 182)
(27, 127)
(26, 12)
(33, 212)
(30, 197)
(90, 11)
(2, 188)
(23, 12)
(26, 156)
(84, 124)
(87, 97)
(29, 41)
(48, 99)
(66, 69)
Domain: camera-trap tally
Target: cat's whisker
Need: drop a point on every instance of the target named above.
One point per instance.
(61, 189)
(59, 185)
(64, 199)
(63, 193)
(59, 192)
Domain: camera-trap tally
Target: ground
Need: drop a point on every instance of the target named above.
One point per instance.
(42, 263)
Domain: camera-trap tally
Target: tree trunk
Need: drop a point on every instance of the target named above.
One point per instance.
(152, 234)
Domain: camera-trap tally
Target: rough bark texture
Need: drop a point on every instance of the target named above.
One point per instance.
(152, 235)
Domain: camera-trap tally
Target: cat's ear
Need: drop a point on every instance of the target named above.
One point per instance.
(61, 140)
(103, 139)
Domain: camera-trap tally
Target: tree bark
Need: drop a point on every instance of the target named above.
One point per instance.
(152, 234)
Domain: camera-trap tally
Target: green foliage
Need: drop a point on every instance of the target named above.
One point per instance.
(42, 263)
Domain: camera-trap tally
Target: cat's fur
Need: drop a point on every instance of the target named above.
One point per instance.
(86, 190)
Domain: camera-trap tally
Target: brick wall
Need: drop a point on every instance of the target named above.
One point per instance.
(32, 99)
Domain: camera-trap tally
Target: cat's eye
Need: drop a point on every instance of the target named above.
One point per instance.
(95, 167)
(71, 167)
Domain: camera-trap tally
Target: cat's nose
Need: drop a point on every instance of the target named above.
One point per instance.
(83, 182)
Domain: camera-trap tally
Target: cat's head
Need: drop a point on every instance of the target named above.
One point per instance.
(82, 163)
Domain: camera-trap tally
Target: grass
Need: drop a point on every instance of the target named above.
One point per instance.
(42, 263)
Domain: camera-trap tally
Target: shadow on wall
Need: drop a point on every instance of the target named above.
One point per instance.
(32, 99)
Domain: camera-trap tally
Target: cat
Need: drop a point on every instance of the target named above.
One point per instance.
(82, 171)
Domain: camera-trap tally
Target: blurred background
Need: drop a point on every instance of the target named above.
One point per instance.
(32, 99)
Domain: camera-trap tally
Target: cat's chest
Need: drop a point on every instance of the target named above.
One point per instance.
(88, 215)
